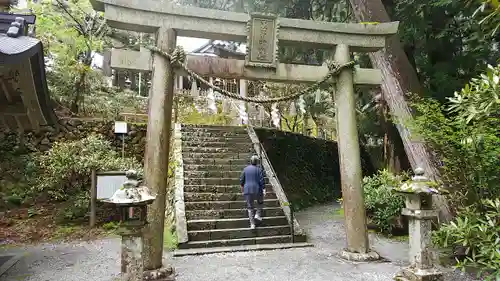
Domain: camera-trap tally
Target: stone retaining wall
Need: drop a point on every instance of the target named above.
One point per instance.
(76, 129)
(307, 168)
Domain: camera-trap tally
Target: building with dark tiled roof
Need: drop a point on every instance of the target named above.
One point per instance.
(24, 96)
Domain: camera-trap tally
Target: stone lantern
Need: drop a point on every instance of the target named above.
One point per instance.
(132, 195)
(420, 215)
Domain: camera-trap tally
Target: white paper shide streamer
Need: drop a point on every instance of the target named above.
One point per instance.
(195, 93)
(275, 115)
(211, 101)
(302, 105)
(243, 114)
(317, 97)
(226, 105)
(293, 110)
(194, 89)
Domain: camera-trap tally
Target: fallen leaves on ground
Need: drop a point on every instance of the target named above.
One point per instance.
(37, 225)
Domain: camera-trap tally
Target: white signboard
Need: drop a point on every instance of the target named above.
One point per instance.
(120, 127)
(108, 184)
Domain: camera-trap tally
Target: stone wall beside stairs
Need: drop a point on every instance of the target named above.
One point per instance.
(308, 168)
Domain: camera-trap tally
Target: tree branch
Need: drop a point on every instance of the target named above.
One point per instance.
(63, 7)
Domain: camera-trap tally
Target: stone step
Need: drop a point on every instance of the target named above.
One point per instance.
(238, 233)
(235, 173)
(216, 143)
(233, 223)
(215, 134)
(214, 167)
(229, 213)
(219, 205)
(214, 181)
(240, 248)
(216, 138)
(201, 197)
(218, 188)
(216, 155)
(214, 161)
(212, 127)
(227, 149)
(236, 242)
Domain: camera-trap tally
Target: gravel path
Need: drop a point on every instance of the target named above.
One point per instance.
(99, 260)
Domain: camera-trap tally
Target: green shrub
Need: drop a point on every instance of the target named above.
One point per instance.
(464, 135)
(14, 199)
(17, 166)
(468, 154)
(190, 115)
(77, 208)
(479, 100)
(478, 232)
(65, 169)
(383, 206)
(111, 226)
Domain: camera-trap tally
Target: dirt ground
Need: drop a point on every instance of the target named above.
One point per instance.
(37, 224)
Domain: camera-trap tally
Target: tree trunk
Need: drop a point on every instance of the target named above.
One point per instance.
(399, 79)
(79, 88)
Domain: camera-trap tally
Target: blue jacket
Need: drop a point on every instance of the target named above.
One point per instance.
(252, 180)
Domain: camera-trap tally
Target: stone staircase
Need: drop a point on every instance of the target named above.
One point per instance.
(215, 211)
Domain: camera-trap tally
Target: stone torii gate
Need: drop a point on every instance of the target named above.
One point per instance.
(262, 33)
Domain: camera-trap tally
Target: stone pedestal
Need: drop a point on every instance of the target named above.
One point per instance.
(132, 264)
(132, 267)
(420, 215)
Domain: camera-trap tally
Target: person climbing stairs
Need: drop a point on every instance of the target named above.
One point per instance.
(215, 208)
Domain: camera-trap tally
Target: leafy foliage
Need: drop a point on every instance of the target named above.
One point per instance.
(477, 231)
(489, 10)
(383, 206)
(190, 115)
(467, 144)
(66, 168)
(480, 99)
(71, 33)
(16, 165)
(444, 42)
(468, 153)
(77, 208)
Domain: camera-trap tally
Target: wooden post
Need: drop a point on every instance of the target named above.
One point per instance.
(158, 147)
(93, 198)
(349, 154)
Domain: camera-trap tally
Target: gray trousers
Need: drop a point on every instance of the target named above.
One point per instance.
(251, 198)
(250, 201)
